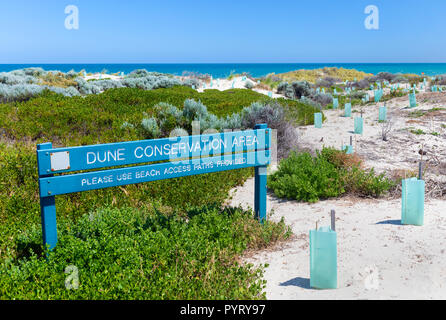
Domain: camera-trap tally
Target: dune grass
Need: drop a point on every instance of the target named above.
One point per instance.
(314, 75)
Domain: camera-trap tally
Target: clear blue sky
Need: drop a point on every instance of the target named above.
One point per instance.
(207, 31)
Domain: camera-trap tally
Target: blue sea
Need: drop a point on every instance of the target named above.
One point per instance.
(222, 70)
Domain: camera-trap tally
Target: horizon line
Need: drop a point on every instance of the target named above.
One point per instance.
(130, 63)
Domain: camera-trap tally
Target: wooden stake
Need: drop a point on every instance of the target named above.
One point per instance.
(420, 171)
(333, 220)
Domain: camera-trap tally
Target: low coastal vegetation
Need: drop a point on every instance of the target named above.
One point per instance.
(152, 253)
(19, 85)
(314, 75)
(330, 173)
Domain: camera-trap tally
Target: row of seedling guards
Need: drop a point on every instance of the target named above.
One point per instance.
(323, 240)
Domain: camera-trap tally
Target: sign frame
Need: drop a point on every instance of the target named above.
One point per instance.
(77, 169)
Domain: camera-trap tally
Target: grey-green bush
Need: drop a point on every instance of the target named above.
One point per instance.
(194, 110)
(151, 128)
(273, 115)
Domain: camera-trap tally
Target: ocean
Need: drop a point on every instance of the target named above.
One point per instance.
(223, 70)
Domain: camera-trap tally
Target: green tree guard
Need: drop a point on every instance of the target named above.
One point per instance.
(348, 148)
(378, 95)
(323, 259)
(348, 110)
(412, 100)
(335, 103)
(318, 120)
(382, 113)
(412, 207)
(358, 125)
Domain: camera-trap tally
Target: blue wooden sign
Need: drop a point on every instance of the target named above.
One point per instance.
(181, 156)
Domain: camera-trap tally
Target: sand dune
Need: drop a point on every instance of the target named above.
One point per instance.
(378, 258)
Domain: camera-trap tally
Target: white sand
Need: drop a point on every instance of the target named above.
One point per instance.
(378, 258)
(235, 83)
(221, 84)
(101, 76)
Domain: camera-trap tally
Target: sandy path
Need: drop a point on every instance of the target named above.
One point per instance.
(378, 258)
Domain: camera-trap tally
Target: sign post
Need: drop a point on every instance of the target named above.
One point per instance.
(180, 156)
(48, 207)
(260, 184)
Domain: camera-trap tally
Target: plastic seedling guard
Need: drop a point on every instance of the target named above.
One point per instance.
(358, 125)
(412, 100)
(318, 120)
(335, 103)
(348, 110)
(348, 148)
(412, 207)
(382, 113)
(323, 258)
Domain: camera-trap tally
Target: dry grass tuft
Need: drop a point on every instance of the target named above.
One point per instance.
(341, 159)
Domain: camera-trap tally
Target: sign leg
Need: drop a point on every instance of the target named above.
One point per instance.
(48, 210)
(49, 224)
(260, 193)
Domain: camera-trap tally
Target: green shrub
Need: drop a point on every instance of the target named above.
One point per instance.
(366, 183)
(328, 174)
(306, 178)
(144, 254)
(417, 131)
